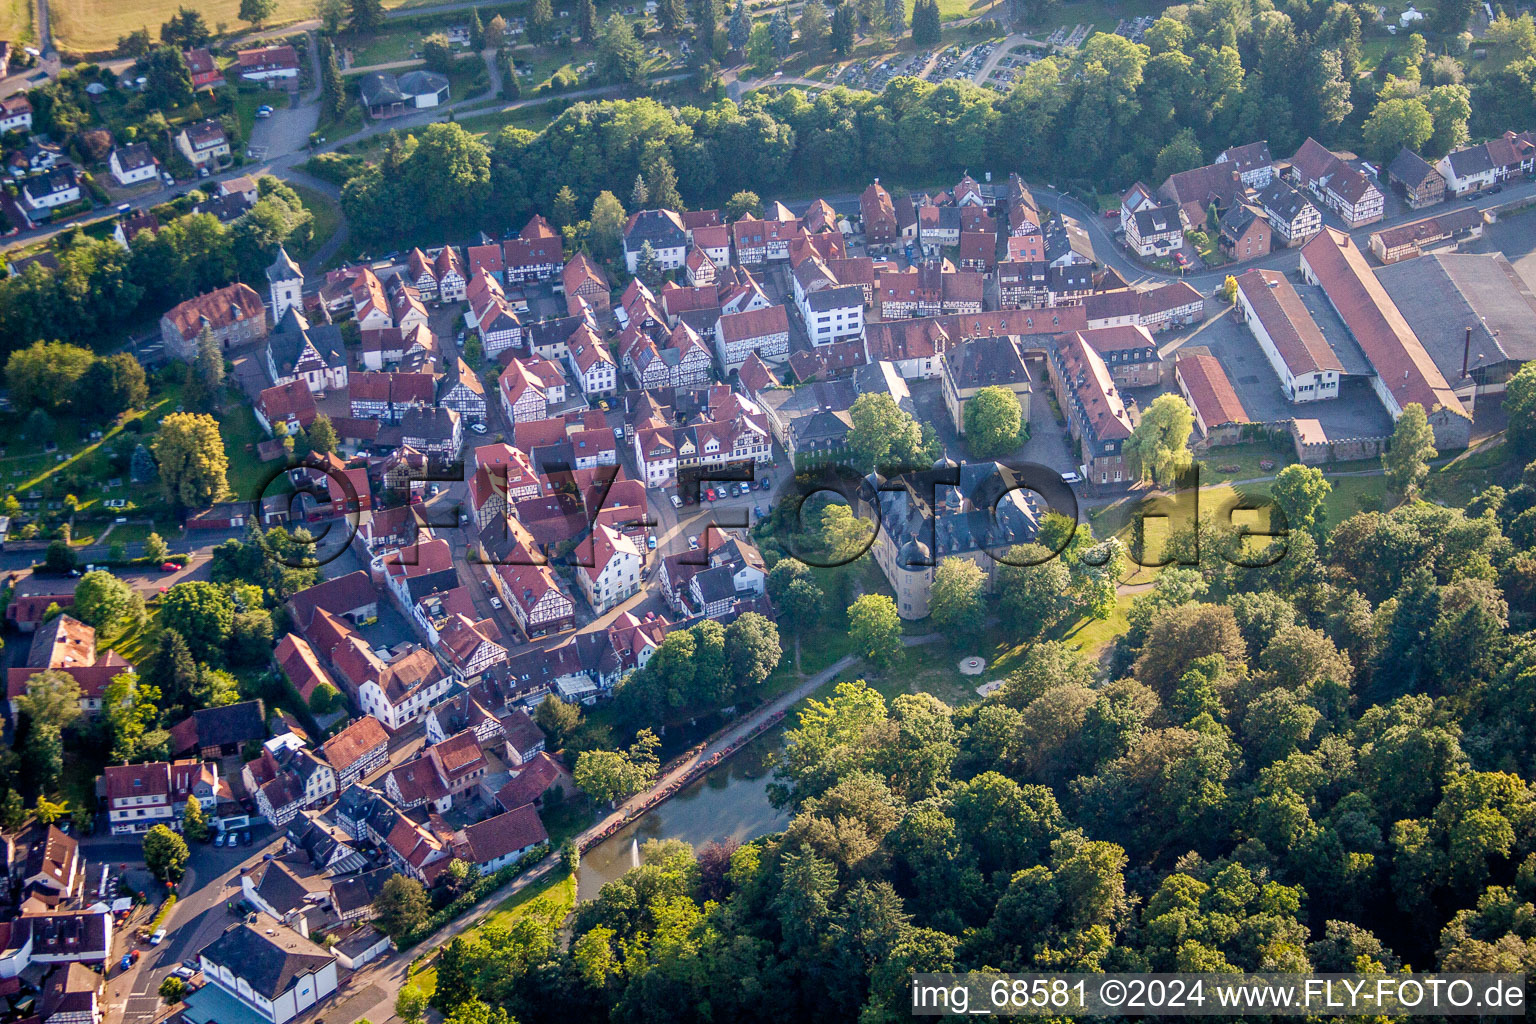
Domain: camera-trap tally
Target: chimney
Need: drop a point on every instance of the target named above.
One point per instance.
(1466, 349)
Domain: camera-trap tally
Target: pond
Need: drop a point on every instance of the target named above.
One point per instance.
(730, 802)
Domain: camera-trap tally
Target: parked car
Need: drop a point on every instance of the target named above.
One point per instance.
(218, 840)
(1071, 478)
(1496, 190)
(676, 501)
(169, 567)
(496, 603)
(158, 937)
(126, 962)
(650, 542)
(693, 543)
(184, 972)
(245, 838)
(263, 111)
(478, 428)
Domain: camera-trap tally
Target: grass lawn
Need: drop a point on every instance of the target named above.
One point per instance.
(534, 117)
(327, 218)
(129, 533)
(87, 25)
(386, 47)
(245, 109)
(16, 21)
(134, 642)
(242, 433)
(549, 900)
(81, 464)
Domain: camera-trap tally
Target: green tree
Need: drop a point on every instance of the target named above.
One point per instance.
(1406, 462)
(172, 989)
(401, 908)
(257, 11)
(647, 266)
(794, 592)
(955, 601)
(1034, 589)
(154, 547)
(670, 15)
(1395, 123)
(190, 452)
(185, 30)
(759, 48)
(875, 629)
(322, 435)
(781, 34)
(115, 385)
(743, 204)
(813, 26)
(1159, 445)
(52, 698)
(558, 719)
(332, 14)
(1450, 108)
(1520, 408)
(46, 374)
(927, 29)
(13, 811)
(540, 15)
(60, 557)
(570, 855)
(1229, 289)
(1302, 493)
(845, 19)
(607, 220)
(201, 612)
(165, 854)
(993, 422)
(1181, 154)
(102, 599)
(586, 20)
(410, 1004)
(367, 16)
(437, 52)
(619, 55)
(661, 180)
(738, 29)
(194, 821)
(883, 435)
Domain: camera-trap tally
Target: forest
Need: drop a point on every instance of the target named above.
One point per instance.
(1208, 76)
(1322, 765)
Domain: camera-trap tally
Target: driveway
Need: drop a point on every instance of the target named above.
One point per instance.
(287, 130)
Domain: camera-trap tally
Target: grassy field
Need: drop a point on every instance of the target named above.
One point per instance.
(242, 433)
(89, 25)
(549, 900)
(327, 218)
(16, 21)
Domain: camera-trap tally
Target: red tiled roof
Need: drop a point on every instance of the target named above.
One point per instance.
(1285, 319)
(1209, 390)
(1389, 343)
(220, 308)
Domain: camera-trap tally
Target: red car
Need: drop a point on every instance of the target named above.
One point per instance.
(1181, 259)
(170, 567)
(1111, 213)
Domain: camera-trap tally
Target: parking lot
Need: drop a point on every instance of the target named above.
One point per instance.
(1355, 413)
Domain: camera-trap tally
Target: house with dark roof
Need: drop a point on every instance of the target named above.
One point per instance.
(1445, 230)
(1243, 233)
(133, 163)
(315, 354)
(1474, 313)
(276, 976)
(990, 361)
(1096, 412)
(663, 230)
(1473, 168)
(1292, 217)
(1252, 162)
(1416, 180)
(1339, 182)
(385, 94)
(222, 732)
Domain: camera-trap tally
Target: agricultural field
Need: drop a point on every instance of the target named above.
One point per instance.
(91, 25)
(16, 21)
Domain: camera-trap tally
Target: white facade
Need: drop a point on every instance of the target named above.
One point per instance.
(305, 992)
